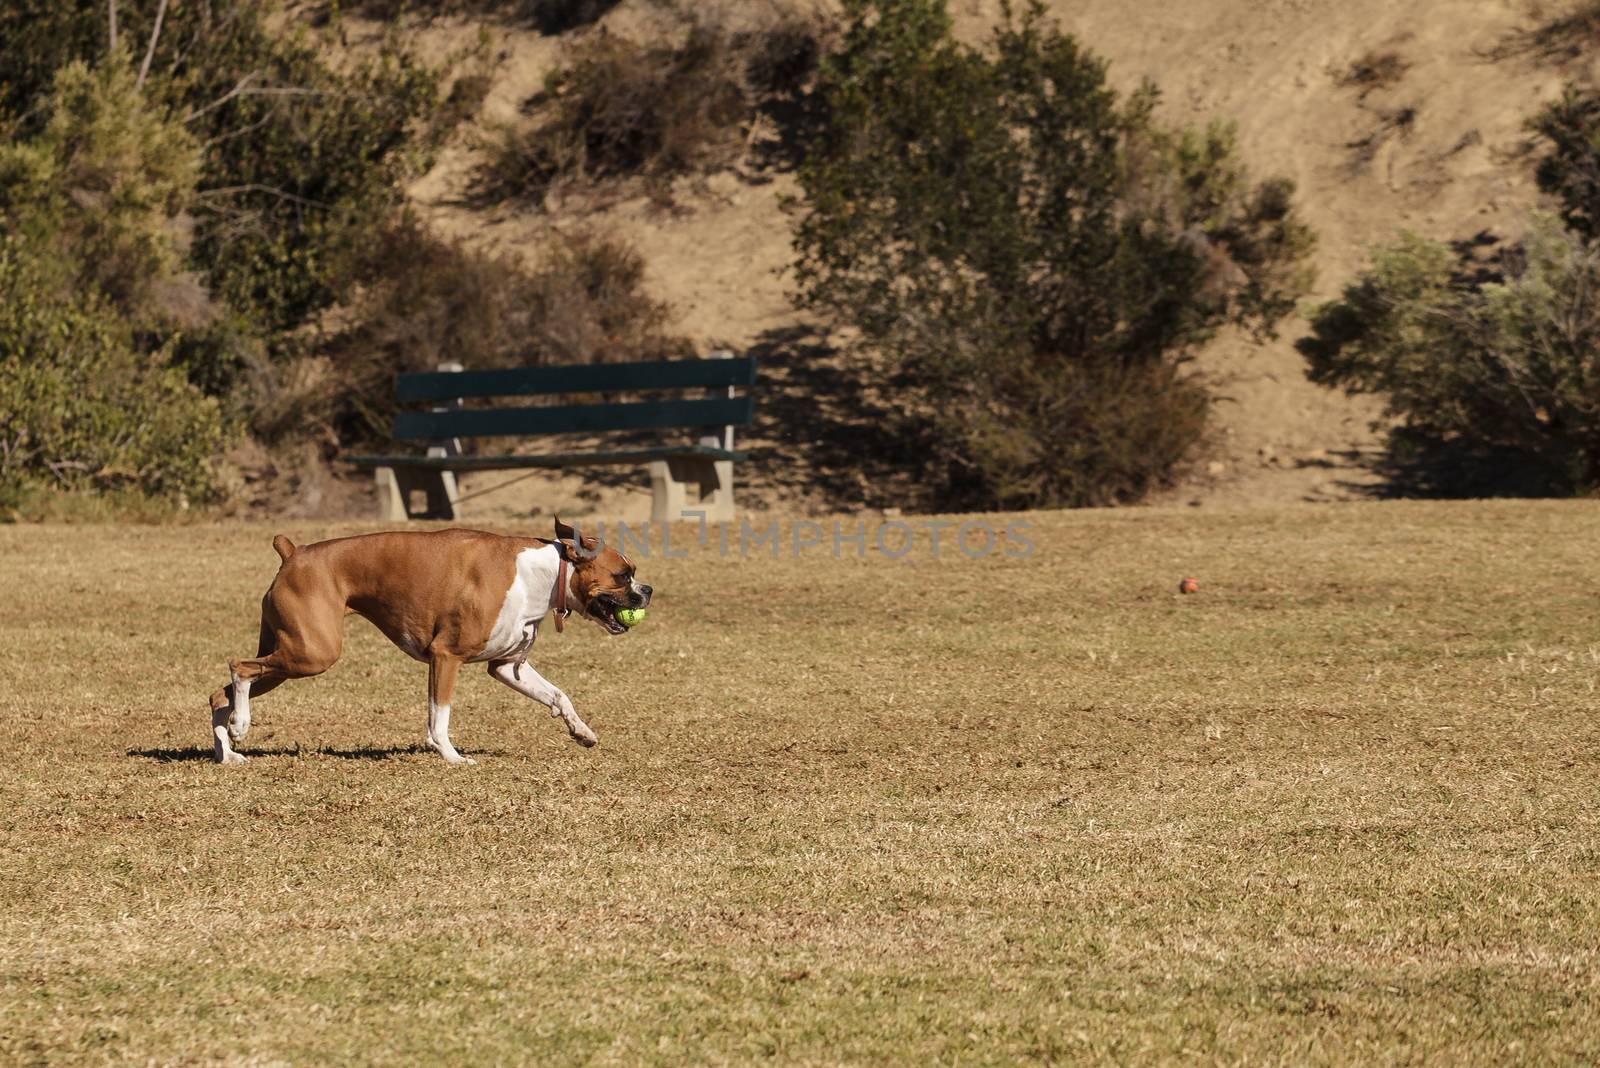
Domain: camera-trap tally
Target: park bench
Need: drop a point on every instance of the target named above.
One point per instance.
(704, 465)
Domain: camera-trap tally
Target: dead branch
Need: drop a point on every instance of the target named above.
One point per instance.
(150, 52)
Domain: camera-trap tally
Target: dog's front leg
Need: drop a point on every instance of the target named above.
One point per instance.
(523, 679)
(442, 672)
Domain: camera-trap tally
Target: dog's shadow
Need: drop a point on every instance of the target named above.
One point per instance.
(197, 753)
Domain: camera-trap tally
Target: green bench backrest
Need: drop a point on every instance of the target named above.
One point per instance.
(576, 418)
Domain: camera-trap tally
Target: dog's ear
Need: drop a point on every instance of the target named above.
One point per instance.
(582, 547)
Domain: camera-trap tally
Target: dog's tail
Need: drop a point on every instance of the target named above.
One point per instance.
(284, 546)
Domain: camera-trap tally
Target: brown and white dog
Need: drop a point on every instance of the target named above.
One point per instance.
(446, 598)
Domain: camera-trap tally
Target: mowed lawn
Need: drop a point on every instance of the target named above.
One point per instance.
(1340, 806)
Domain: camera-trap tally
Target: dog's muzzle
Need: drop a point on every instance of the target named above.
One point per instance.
(603, 607)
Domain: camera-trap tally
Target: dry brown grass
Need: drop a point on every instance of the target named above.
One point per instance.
(1339, 807)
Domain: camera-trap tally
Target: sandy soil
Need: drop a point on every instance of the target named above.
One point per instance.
(1438, 151)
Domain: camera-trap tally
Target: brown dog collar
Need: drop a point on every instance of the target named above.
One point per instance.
(561, 609)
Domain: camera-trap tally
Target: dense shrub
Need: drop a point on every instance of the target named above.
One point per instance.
(303, 165)
(38, 38)
(547, 16)
(1033, 257)
(1569, 166)
(92, 294)
(621, 110)
(583, 302)
(1500, 379)
(1490, 367)
(213, 211)
(107, 185)
(301, 161)
(81, 407)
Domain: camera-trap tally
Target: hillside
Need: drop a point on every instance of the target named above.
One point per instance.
(1435, 147)
(1437, 152)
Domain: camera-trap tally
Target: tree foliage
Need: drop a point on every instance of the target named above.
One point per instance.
(1501, 379)
(93, 293)
(202, 194)
(1032, 255)
(299, 159)
(107, 185)
(1569, 168)
(304, 161)
(1491, 371)
(82, 406)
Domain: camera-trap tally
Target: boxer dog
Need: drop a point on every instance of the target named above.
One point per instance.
(446, 598)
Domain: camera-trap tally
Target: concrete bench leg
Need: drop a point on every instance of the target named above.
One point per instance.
(671, 479)
(395, 485)
(716, 491)
(667, 497)
(391, 502)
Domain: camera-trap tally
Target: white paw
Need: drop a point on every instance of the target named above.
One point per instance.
(231, 757)
(449, 753)
(582, 734)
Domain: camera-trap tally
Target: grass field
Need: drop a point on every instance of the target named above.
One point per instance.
(1341, 806)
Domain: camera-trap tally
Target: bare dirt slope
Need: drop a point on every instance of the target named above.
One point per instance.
(1436, 150)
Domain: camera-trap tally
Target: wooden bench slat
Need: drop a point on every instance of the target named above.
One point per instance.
(574, 418)
(557, 459)
(575, 378)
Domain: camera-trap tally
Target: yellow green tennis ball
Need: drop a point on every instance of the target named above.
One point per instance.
(630, 617)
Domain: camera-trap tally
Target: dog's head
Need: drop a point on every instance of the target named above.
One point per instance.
(603, 579)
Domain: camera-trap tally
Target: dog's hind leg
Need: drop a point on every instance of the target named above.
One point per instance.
(239, 711)
(230, 706)
(528, 682)
(293, 645)
(442, 674)
(230, 712)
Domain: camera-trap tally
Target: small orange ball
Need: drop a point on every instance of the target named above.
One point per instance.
(1188, 585)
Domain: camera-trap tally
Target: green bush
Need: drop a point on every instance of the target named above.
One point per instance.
(302, 160)
(93, 293)
(81, 408)
(305, 165)
(107, 183)
(281, 168)
(1569, 168)
(1033, 258)
(1489, 366)
(1500, 379)
(38, 38)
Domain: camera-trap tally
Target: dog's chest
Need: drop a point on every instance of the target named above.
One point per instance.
(526, 602)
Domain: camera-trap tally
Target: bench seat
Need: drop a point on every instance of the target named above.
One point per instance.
(554, 459)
